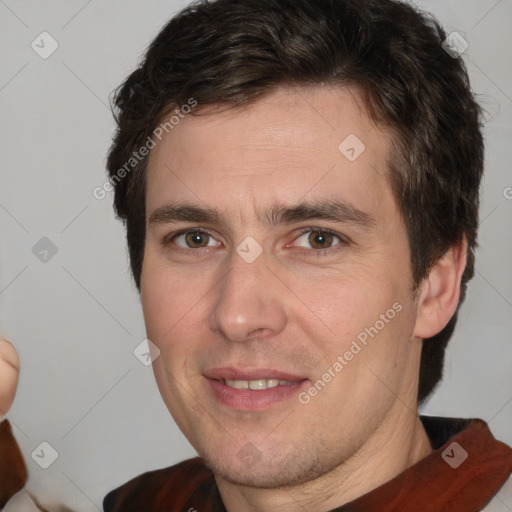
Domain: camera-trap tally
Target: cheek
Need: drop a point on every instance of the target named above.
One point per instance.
(161, 302)
(367, 321)
(173, 309)
(343, 304)
(155, 305)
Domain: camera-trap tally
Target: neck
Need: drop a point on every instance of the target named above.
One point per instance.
(398, 443)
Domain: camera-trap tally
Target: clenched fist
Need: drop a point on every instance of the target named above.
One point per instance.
(9, 371)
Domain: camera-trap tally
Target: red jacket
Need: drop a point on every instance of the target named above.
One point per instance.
(430, 485)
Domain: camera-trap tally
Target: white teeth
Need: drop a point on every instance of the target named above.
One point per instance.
(256, 384)
(238, 384)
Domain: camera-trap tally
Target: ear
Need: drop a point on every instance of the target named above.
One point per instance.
(440, 291)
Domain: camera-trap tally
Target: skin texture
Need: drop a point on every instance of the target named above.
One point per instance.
(292, 309)
(9, 371)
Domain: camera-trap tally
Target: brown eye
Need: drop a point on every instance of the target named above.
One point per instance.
(319, 242)
(320, 239)
(195, 239)
(191, 239)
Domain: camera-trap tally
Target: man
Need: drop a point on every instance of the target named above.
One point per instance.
(299, 182)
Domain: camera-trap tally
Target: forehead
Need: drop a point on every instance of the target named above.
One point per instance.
(295, 143)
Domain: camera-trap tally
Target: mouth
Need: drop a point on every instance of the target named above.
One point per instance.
(253, 390)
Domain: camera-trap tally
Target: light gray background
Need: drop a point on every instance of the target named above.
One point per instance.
(76, 319)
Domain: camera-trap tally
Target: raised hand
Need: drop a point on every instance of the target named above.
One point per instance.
(9, 371)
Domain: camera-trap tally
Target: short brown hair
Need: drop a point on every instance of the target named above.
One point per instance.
(235, 51)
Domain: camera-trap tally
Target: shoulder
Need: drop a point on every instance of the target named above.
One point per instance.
(161, 489)
(13, 472)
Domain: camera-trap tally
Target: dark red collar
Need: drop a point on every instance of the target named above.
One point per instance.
(445, 479)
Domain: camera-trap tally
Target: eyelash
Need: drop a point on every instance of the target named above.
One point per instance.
(316, 252)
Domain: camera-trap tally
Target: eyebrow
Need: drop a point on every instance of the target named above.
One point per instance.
(336, 211)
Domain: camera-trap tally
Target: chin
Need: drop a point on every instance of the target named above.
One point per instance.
(265, 475)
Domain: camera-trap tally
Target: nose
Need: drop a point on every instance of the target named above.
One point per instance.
(250, 301)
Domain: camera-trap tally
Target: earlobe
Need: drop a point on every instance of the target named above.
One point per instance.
(440, 291)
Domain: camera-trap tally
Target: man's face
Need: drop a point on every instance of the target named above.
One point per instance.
(320, 290)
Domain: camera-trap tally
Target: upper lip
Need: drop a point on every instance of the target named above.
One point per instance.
(231, 373)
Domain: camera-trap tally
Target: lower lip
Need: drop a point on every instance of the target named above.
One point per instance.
(253, 400)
